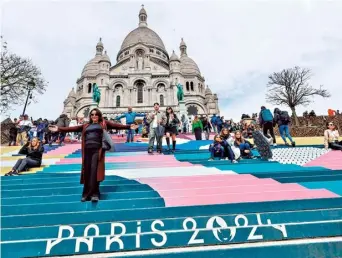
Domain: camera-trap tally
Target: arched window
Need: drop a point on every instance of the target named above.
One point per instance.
(161, 100)
(192, 86)
(117, 101)
(89, 88)
(187, 86)
(140, 94)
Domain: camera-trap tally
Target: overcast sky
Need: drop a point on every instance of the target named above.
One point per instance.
(236, 44)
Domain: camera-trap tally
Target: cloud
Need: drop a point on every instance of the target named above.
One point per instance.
(236, 44)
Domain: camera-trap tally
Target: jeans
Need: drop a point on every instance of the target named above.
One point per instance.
(219, 128)
(152, 136)
(130, 135)
(206, 133)
(23, 164)
(40, 136)
(285, 132)
(243, 147)
(214, 154)
(228, 152)
(198, 134)
(55, 137)
(268, 126)
(22, 138)
(335, 145)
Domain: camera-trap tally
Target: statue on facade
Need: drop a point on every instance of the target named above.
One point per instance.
(96, 94)
(180, 92)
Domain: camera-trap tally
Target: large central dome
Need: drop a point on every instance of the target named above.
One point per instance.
(142, 35)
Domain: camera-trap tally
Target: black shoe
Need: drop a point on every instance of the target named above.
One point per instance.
(95, 199)
(9, 173)
(159, 151)
(293, 144)
(150, 151)
(84, 199)
(15, 173)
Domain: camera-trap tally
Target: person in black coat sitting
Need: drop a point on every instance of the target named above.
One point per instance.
(34, 153)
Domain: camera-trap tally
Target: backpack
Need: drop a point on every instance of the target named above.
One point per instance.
(267, 115)
(284, 117)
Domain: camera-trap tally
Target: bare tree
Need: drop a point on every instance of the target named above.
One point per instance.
(291, 88)
(15, 73)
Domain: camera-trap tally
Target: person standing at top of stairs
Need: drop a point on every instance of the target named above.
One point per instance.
(283, 120)
(93, 155)
(130, 119)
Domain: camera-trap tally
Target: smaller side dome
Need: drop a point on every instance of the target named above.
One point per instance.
(72, 93)
(105, 58)
(174, 57)
(208, 91)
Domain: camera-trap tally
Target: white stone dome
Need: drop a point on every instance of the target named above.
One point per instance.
(188, 66)
(208, 91)
(105, 58)
(142, 35)
(92, 67)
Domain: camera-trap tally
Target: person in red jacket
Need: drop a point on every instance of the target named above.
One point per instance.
(93, 156)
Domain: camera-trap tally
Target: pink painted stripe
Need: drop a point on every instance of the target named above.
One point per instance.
(192, 179)
(159, 186)
(237, 189)
(332, 160)
(137, 158)
(248, 197)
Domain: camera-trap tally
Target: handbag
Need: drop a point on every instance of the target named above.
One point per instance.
(107, 142)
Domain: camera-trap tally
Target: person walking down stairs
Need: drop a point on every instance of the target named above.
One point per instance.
(197, 128)
(171, 128)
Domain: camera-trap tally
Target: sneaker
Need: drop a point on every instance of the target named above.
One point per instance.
(9, 173)
(210, 159)
(15, 173)
(150, 151)
(274, 145)
(287, 144)
(159, 151)
(226, 159)
(95, 199)
(293, 144)
(234, 161)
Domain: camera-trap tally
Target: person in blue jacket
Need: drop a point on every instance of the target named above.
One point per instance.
(130, 119)
(213, 122)
(266, 123)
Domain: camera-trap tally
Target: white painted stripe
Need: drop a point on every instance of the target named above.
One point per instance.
(185, 230)
(303, 241)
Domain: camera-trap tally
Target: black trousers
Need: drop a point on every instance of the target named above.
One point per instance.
(335, 145)
(91, 186)
(268, 126)
(198, 134)
(26, 163)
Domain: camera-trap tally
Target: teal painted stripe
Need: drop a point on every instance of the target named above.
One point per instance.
(299, 173)
(76, 197)
(308, 178)
(334, 186)
(175, 224)
(312, 250)
(171, 212)
(173, 239)
(41, 209)
(74, 190)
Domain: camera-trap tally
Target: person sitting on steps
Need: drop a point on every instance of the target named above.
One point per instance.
(227, 141)
(244, 146)
(216, 149)
(331, 137)
(171, 128)
(34, 152)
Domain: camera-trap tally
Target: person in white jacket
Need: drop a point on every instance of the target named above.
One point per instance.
(73, 122)
(331, 137)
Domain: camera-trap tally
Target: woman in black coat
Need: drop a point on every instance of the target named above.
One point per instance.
(34, 153)
(93, 156)
(171, 128)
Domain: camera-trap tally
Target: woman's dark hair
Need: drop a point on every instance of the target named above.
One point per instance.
(98, 112)
(168, 109)
(327, 125)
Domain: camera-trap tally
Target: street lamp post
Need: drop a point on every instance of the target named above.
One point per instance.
(30, 86)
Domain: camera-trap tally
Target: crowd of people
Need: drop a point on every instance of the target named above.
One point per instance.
(230, 142)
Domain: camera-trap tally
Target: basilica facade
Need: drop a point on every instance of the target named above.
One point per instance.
(144, 73)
